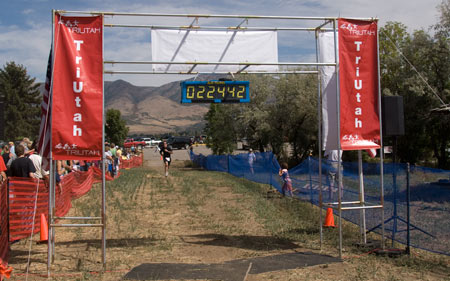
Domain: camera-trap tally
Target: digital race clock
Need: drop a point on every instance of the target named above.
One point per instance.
(215, 91)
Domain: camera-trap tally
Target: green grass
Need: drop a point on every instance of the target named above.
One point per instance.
(285, 218)
(282, 218)
(297, 221)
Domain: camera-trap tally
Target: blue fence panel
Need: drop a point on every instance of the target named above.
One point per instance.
(429, 189)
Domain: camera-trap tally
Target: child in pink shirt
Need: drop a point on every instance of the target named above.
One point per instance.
(287, 183)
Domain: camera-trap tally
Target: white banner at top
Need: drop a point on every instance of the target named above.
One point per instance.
(214, 46)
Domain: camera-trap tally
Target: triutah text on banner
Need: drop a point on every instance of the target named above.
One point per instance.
(358, 71)
(77, 88)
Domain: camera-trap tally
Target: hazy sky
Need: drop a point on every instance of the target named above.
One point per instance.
(25, 26)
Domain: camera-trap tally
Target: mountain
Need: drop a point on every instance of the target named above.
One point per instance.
(153, 110)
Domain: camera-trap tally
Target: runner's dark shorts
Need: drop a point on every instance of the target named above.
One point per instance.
(168, 161)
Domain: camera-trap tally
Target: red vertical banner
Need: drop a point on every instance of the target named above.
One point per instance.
(358, 72)
(77, 109)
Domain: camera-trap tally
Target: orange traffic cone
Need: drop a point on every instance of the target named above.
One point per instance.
(5, 271)
(329, 218)
(44, 229)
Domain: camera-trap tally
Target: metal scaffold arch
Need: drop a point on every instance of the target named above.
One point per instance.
(195, 22)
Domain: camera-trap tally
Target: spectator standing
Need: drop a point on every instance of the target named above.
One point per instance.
(332, 179)
(60, 170)
(68, 166)
(6, 154)
(76, 165)
(26, 144)
(113, 150)
(109, 160)
(251, 160)
(83, 166)
(37, 163)
(11, 148)
(119, 158)
(2, 170)
(119, 153)
(287, 183)
(22, 166)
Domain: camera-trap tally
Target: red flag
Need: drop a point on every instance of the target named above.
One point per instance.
(358, 71)
(45, 129)
(77, 92)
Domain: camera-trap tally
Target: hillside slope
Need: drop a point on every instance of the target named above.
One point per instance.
(153, 110)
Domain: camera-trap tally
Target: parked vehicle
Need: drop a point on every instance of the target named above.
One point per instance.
(200, 139)
(154, 142)
(147, 141)
(179, 142)
(131, 142)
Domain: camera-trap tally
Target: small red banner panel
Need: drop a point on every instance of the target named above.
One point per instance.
(358, 71)
(77, 111)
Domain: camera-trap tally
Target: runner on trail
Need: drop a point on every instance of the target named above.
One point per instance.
(166, 151)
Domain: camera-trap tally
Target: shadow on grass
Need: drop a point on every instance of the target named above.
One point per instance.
(113, 243)
(309, 231)
(21, 257)
(228, 271)
(258, 243)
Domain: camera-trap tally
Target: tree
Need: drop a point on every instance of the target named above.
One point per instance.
(220, 124)
(422, 77)
(21, 102)
(398, 78)
(253, 119)
(296, 103)
(394, 69)
(283, 109)
(116, 130)
(443, 26)
(434, 63)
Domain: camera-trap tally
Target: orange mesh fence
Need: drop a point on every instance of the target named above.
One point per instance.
(22, 195)
(4, 223)
(135, 161)
(98, 175)
(80, 182)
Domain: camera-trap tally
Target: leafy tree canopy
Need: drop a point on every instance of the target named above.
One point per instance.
(116, 130)
(21, 102)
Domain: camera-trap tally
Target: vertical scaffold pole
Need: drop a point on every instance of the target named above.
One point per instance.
(408, 211)
(381, 146)
(52, 166)
(49, 224)
(271, 170)
(319, 134)
(339, 174)
(362, 212)
(103, 160)
(51, 233)
(310, 181)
